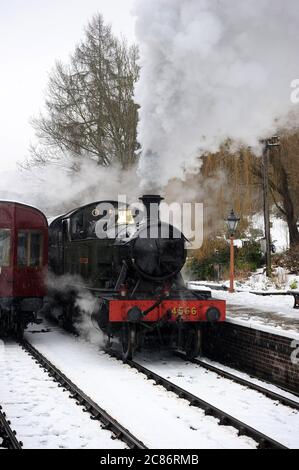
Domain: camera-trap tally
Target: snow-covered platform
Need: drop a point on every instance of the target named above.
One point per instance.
(260, 336)
(273, 314)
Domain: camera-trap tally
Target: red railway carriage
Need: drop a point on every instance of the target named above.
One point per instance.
(23, 264)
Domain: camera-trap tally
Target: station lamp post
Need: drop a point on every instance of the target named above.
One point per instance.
(232, 224)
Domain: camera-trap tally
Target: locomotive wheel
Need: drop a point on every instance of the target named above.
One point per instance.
(193, 343)
(128, 341)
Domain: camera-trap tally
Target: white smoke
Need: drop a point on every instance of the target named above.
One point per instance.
(211, 70)
(56, 188)
(87, 303)
(67, 286)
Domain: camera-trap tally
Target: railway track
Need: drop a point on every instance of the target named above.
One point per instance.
(96, 412)
(9, 439)
(227, 375)
(264, 442)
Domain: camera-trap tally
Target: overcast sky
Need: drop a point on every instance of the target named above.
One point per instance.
(33, 35)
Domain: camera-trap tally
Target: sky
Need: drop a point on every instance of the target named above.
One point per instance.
(33, 35)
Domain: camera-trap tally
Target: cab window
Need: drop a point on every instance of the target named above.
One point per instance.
(125, 217)
(84, 223)
(5, 240)
(30, 245)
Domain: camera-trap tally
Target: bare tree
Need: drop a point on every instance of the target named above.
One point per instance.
(90, 111)
(243, 172)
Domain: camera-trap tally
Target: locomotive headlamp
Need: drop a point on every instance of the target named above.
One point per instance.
(213, 315)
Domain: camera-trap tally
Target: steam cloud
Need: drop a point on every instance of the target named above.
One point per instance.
(66, 286)
(211, 70)
(56, 189)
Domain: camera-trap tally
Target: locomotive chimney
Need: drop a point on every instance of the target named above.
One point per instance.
(152, 204)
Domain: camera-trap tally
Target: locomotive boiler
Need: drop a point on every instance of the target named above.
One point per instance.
(131, 263)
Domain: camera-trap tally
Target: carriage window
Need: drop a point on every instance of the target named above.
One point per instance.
(22, 248)
(4, 247)
(36, 250)
(30, 246)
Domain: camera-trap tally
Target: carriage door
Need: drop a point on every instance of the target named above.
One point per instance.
(29, 263)
(6, 271)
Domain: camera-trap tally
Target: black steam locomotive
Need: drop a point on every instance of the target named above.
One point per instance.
(131, 262)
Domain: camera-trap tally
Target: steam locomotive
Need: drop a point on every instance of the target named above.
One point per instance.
(131, 263)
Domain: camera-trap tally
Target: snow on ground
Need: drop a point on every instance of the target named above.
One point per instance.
(279, 231)
(274, 313)
(44, 416)
(252, 379)
(281, 281)
(157, 417)
(271, 418)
